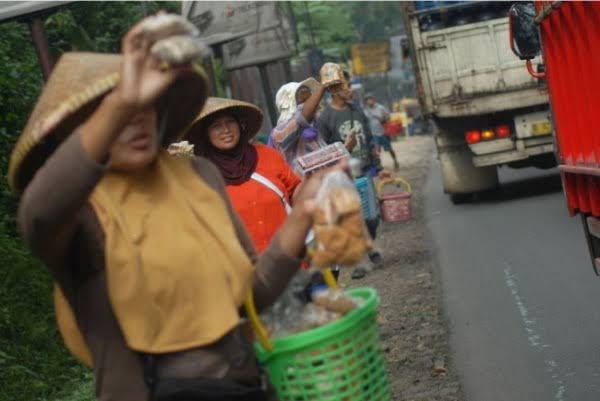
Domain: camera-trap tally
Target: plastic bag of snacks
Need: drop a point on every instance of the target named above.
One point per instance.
(282, 317)
(341, 236)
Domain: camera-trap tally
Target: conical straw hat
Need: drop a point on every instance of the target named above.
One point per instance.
(74, 90)
(248, 115)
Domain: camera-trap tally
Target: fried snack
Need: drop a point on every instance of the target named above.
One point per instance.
(353, 224)
(344, 201)
(320, 217)
(176, 50)
(335, 301)
(163, 26)
(339, 229)
(355, 251)
(334, 239)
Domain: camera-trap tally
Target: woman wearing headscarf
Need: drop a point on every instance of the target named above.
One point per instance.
(295, 134)
(259, 182)
(150, 261)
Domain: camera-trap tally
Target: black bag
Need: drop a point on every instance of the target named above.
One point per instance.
(203, 389)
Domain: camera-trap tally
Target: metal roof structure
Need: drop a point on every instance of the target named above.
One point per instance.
(10, 10)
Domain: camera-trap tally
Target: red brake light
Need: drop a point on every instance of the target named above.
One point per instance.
(502, 131)
(473, 136)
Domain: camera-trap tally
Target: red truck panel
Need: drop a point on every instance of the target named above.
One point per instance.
(571, 46)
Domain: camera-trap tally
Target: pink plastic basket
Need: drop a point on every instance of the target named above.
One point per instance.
(395, 206)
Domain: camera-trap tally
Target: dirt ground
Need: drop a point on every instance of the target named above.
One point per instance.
(414, 330)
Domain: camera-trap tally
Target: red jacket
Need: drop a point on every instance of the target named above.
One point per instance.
(259, 207)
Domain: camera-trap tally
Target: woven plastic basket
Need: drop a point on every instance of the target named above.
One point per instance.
(341, 361)
(395, 206)
(368, 197)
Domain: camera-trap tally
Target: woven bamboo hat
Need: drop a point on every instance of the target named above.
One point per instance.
(75, 88)
(248, 114)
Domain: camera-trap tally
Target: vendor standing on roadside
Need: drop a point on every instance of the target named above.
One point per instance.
(150, 260)
(344, 121)
(259, 182)
(378, 115)
(295, 134)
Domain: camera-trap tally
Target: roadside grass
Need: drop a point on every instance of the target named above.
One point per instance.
(34, 364)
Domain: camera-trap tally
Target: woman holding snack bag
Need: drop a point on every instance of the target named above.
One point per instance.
(295, 134)
(259, 182)
(150, 261)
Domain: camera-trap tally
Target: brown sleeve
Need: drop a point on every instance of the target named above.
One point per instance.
(274, 269)
(51, 201)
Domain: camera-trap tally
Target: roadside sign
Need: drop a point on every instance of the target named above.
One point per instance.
(222, 21)
(370, 58)
(257, 48)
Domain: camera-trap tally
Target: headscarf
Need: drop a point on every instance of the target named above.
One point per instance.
(236, 165)
(285, 100)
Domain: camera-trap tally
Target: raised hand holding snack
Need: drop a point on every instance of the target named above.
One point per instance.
(174, 39)
(162, 26)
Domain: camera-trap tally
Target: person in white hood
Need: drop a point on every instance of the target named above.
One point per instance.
(295, 134)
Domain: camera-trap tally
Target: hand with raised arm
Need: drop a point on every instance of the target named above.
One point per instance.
(142, 82)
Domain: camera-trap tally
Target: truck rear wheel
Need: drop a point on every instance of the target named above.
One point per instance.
(461, 178)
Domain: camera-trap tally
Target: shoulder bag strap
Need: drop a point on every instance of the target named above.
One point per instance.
(269, 184)
(288, 208)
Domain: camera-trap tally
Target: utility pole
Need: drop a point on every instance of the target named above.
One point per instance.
(40, 41)
(309, 25)
(264, 79)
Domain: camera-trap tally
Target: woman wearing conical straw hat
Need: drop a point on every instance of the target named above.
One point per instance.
(259, 182)
(150, 261)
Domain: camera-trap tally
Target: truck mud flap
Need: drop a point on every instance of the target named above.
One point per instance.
(591, 227)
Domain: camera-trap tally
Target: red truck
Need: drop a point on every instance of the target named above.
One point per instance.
(568, 36)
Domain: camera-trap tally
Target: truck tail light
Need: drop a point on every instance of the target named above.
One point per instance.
(502, 131)
(487, 134)
(473, 136)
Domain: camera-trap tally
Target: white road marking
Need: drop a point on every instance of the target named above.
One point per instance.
(533, 337)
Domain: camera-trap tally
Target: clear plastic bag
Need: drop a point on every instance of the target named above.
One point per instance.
(341, 236)
(282, 318)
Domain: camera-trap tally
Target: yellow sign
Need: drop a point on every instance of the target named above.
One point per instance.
(370, 58)
(541, 128)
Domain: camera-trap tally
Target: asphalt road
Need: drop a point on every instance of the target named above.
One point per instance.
(519, 291)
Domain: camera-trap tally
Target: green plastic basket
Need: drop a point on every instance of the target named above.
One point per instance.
(341, 361)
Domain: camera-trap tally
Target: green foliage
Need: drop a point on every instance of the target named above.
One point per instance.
(331, 27)
(20, 82)
(336, 25)
(377, 20)
(33, 362)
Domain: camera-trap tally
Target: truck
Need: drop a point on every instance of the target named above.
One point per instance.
(489, 111)
(566, 35)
